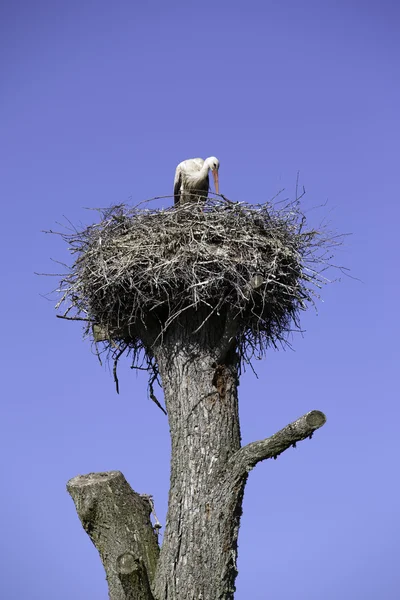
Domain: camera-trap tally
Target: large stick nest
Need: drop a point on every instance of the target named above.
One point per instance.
(257, 265)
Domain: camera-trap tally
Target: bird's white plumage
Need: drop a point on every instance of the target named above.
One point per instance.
(191, 181)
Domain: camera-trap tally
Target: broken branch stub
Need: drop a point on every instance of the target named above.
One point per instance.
(117, 520)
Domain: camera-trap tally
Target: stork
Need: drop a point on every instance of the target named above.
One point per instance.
(191, 179)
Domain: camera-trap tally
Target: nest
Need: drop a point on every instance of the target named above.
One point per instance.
(258, 265)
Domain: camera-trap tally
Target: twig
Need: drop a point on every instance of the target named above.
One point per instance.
(116, 359)
(73, 318)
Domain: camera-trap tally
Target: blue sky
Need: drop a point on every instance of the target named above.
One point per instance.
(98, 103)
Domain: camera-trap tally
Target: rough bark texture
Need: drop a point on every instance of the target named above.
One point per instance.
(198, 555)
(209, 469)
(117, 521)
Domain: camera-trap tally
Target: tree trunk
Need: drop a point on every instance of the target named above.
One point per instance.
(198, 555)
(209, 469)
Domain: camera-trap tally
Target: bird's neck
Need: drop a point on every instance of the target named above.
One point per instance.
(205, 168)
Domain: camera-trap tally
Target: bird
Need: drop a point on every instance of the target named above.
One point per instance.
(191, 179)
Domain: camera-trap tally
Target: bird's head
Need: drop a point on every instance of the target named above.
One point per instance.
(213, 164)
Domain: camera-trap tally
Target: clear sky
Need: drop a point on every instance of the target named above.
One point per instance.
(98, 103)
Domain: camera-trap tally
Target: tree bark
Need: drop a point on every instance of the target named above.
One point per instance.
(198, 555)
(117, 520)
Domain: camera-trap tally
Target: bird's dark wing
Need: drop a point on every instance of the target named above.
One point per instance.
(207, 185)
(177, 185)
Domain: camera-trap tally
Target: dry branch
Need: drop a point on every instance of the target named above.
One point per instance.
(248, 456)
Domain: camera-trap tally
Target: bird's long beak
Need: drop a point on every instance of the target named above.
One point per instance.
(215, 175)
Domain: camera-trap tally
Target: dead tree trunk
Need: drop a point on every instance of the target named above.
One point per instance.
(209, 469)
(198, 556)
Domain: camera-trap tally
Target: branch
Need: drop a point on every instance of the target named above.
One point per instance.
(248, 456)
(73, 318)
(117, 520)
